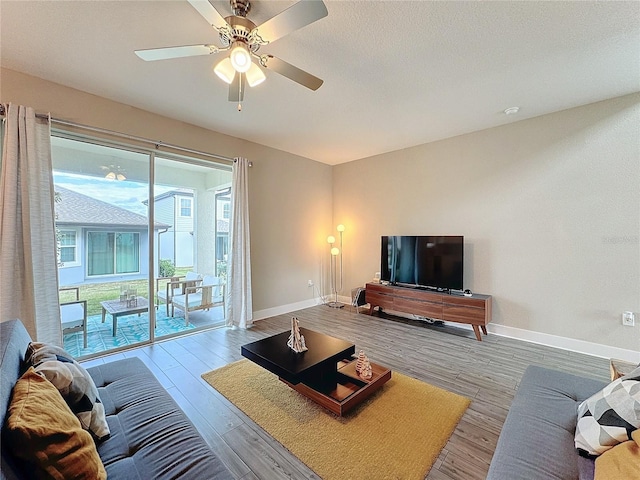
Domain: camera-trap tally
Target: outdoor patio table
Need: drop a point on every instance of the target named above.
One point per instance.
(119, 308)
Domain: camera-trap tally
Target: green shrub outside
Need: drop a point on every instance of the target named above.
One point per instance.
(167, 268)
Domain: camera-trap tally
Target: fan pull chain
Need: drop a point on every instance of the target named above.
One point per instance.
(239, 92)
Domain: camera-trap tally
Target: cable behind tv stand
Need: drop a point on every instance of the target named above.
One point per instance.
(450, 307)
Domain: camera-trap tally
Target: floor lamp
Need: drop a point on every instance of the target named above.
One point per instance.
(333, 268)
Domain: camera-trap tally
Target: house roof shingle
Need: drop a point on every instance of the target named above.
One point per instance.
(77, 209)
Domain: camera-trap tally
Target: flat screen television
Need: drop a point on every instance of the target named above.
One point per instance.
(423, 261)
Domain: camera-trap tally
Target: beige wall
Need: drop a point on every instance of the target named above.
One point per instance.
(549, 207)
(290, 196)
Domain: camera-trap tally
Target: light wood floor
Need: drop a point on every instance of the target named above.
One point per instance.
(488, 372)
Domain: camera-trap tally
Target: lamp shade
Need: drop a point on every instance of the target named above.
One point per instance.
(331, 239)
(224, 69)
(335, 251)
(255, 75)
(340, 228)
(240, 57)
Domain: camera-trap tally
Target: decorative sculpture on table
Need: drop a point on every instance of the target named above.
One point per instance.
(363, 366)
(296, 340)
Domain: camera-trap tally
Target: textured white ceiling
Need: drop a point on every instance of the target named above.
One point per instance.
(397, 73)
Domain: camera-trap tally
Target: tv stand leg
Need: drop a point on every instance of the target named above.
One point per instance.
(476, 330)
(484, 329)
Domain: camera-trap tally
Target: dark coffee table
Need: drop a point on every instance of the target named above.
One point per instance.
(325, 373)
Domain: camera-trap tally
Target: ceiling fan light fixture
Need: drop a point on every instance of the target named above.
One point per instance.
(114, 173)
(255, 75)
(224, 69)
(240, 57)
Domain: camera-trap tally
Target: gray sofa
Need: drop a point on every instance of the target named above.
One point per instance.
(151, 438)
(537, 439)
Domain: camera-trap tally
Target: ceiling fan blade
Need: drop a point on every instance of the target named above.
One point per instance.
(210, 14)
(153, 54)
(237, 88)
(292, 73)
(296, 16)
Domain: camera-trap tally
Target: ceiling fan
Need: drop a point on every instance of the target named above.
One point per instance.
(113, 172)
(243, 39)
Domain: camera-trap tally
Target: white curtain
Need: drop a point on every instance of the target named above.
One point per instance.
(239, 304)
(27, 226)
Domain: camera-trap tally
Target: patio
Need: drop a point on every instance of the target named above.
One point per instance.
(133, 329)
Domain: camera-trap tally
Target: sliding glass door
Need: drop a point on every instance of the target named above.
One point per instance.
(189, 285)
(120, 253)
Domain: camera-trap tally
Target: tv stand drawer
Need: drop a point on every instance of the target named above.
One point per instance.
(424, 308)
(462, 314)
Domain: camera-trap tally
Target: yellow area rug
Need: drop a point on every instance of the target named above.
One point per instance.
(397, 433)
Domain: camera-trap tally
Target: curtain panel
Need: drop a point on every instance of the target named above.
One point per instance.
(238, 301)
(27, 226)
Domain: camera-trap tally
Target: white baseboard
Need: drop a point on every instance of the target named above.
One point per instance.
(292, 307)
(281, 310)
(564, 343)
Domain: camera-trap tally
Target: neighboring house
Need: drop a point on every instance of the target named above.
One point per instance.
(99, 241)
(223, 217)
(177, 209)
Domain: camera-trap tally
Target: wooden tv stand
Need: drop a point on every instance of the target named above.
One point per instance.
(450, 307)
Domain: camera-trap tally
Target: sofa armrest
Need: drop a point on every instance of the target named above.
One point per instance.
(14, 340)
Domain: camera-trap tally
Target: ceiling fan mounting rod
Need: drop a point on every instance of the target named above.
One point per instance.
(240, 8)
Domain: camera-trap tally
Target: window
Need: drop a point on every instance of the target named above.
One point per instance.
(226, 211)
(110, 253)
(68, 247)
(185, 207)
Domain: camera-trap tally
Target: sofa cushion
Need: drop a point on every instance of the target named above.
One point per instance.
(73, 382)
(42, 430)
(537, 437)
(609, 416)
(150, 436)
(191, 276)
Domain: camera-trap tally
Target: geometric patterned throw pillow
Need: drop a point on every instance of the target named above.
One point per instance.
(609, 416)
(74, 384)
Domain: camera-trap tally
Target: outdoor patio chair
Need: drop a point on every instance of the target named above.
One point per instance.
(175, 286)
(201, 295)
(164, 295)
(73, 315)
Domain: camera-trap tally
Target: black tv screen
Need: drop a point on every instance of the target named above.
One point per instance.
(423, 261)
